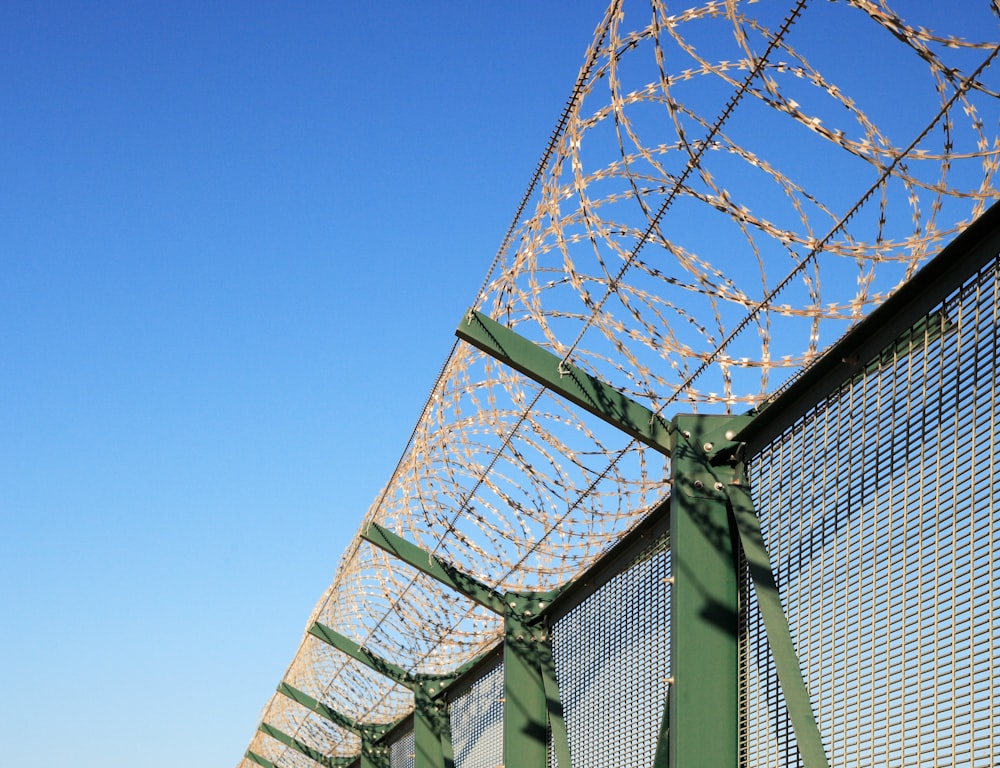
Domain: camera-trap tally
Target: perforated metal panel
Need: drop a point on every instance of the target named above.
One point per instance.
(402, 752)
(879, 508)
(612, 660)
(477, 723)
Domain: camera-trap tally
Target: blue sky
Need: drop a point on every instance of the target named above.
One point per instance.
(234, 243)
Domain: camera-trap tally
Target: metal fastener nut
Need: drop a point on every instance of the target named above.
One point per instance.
(708, 447)
(719, 486)
(699, 485)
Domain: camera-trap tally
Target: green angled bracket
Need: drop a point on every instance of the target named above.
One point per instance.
(431, 723)
(569, 381)
(374, 754)
(263, 762)
(304, 749)
(531, 692)
(437, 569)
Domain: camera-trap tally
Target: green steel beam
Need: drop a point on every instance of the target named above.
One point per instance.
(569, 381)
(261, 761)
(704, 605)
(525, 710)
(304, 749)
(434, 567)
(386, 668)
(320, 708)
(713, 517)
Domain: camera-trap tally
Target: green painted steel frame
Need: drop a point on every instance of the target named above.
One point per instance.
(431, 723)
(532, 704)
(374, 754)
(711, 520)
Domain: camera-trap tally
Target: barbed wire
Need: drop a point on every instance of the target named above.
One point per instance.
(641, 252)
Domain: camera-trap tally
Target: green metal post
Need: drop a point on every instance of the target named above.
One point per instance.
(532, 704)
(704, 607)
(431, 730)
(525, 715)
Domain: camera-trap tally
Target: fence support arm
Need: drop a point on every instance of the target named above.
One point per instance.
(531, 693)
(304, 749)
(565, 379)
(374, 754)
(434, 567)
(261, 761)
(431, 721)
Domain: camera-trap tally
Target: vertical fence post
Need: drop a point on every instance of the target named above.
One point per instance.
(704, 611)
(525, 715)
(431, 729)
(532, 703)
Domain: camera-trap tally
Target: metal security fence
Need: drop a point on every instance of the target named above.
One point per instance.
(477, 722)
(819, 587)
(653, 512)
(612, 658)
(879, 506)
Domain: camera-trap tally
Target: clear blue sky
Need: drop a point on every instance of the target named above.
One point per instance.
(234, 242)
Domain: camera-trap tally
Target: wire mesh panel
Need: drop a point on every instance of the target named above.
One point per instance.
(477, 723)
(879, 511)
(402, 752)
(612, 660)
